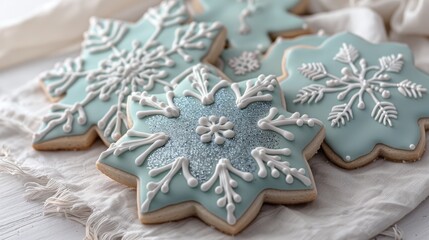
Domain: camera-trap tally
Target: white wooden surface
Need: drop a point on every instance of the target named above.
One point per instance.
(21, 219)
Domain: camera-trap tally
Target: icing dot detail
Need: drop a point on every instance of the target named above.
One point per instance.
(412, 146)
(348, 158)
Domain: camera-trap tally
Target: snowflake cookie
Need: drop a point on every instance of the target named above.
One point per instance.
(240, 65)
(250, 22)
(371, 98)
(118, 59)
(215, 150)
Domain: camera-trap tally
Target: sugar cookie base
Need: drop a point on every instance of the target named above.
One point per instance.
(191, 208)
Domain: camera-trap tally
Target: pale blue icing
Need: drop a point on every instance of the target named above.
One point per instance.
(361, 134)
(142, 31)
(205, 156)
(185, 125)
(270, 62)
(270, 16)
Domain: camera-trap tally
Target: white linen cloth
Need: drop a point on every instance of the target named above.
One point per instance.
(355, 204)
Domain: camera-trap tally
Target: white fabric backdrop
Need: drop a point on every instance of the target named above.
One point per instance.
(356, 204)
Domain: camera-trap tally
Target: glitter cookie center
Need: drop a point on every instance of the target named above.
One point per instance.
(184, 141)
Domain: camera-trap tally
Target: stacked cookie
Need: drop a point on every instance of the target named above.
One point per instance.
(214, 132)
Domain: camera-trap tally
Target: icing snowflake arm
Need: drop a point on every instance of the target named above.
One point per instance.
(103, 34)
(114, 122)
(277, 159)
(200, 82)
(173, 168)
(315, 92)
(58, 80)
(168, 14)
(411, 89)
(277, 124)
(191, 37)
(226, 186)
(394, 64)
(272, 158)
(159, 107)
(64, 116)
(135, 140)
(254, 91)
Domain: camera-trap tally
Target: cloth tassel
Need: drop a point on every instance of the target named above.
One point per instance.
(102, 227)
(59, 201)
(393, 232)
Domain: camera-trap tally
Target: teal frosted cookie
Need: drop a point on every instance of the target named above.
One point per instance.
(240, 65)
(250, 22)
(371, 98)
(214, 150)
(117, 59)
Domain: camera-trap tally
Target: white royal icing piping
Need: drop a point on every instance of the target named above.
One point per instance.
(69, 71)
(180, 163)
(103, 34)
(219, 127)
(66, 118)
(162, 16)
(200, 82)
(226, 186)
(144, 99)
(269, 123)
(253, 92)
(273, 160)
(117, 72)
(156, 140)
(247, 62)
(354, 78)
(246, 12)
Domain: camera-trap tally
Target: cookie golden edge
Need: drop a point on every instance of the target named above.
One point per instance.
(193, 209)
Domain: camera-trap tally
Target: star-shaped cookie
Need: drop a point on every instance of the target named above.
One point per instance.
(117, 59)
(250, 22)
(214, 150)
(371, 98)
